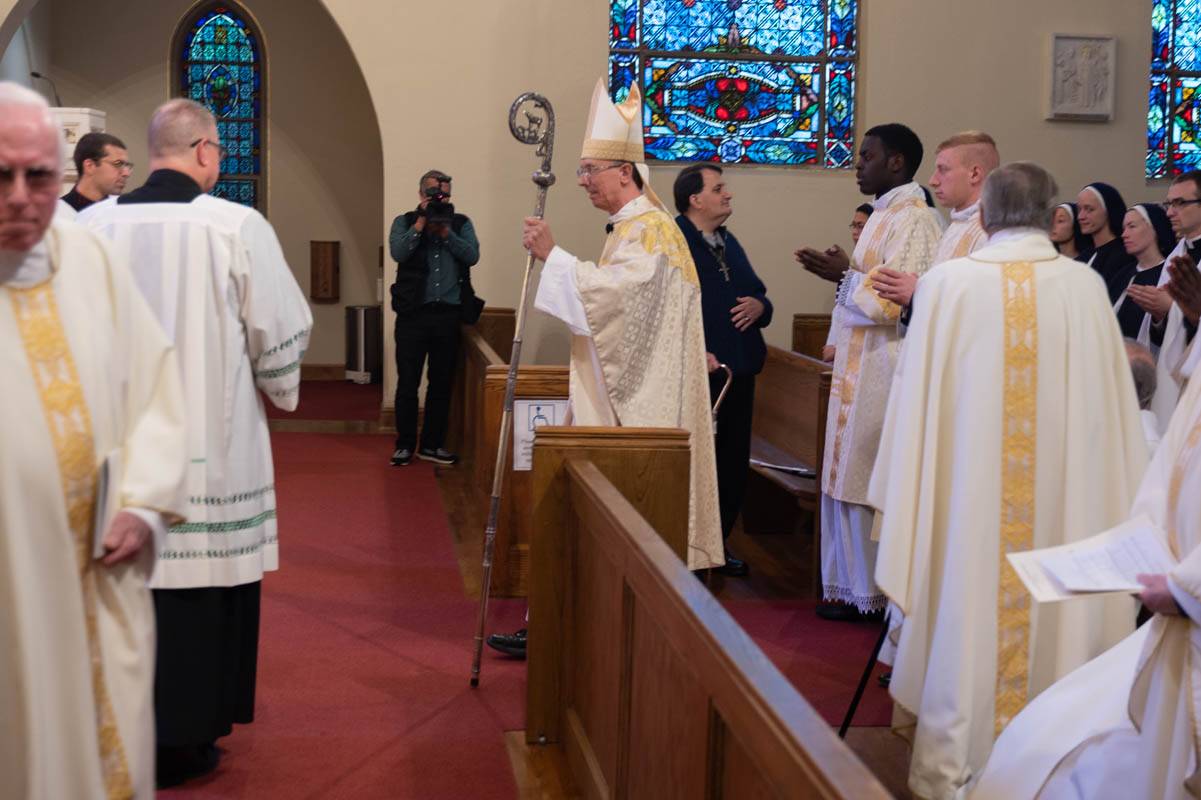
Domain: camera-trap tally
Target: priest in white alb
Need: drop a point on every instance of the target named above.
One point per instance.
(92, 461)
(1013, 425)
(901, 235)
(1124, 725)
(638, 341)
(215, 276)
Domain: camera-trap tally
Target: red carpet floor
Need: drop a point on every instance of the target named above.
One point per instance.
(339, 400)
(365, 652)
(822, 659)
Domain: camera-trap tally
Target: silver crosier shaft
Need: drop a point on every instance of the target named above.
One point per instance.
(531, 121)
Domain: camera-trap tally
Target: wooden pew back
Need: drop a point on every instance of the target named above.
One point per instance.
(792, 395)
(809, 332)
(636, 670)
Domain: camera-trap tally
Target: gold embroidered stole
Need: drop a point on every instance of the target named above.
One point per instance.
(843, 385)
(1018, 441)
(67, 418)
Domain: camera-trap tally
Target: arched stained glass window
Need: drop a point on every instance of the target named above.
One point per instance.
(221, 65)
(1174, 111)
(740, 81)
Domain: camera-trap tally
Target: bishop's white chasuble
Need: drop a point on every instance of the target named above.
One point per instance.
(1125, 724)
(87, 376)
(1013, 425)
(902, 234)
(214, 274)
(638, 348)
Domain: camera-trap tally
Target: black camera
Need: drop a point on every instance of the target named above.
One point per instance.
(437, 211)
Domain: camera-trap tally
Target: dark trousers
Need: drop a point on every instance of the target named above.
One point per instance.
(733, 444)
(208, 645)
(433, 331)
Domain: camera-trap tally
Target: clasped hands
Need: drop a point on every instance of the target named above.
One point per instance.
(1183, 288)
(831, 263)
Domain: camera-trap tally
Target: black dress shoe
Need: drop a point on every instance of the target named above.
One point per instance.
(176, 765)
(511, 644)
(838, 612)
(885, 680)
(733, 568)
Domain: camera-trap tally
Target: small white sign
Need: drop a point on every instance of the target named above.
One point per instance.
(527, 416)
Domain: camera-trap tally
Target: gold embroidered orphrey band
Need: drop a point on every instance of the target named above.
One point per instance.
(1018, 438)
(70, 427)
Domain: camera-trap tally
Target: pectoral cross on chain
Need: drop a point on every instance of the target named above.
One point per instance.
(722, 266)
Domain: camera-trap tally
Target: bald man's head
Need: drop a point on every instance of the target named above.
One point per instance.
(30, 167)
(183, 136)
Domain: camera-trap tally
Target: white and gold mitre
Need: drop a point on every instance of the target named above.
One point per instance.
(614, 132)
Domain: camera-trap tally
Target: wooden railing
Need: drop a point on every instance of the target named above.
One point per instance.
(636, 671)
(809, 333)
(477, 405)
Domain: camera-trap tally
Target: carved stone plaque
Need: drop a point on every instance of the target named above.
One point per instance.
(1083, 71)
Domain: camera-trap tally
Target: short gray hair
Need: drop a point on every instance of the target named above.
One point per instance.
(176, 124)
(1017, 195)
(1142, 368)
(14, 94)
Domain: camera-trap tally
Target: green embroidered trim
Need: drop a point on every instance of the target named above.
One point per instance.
(286, 343)
(241, 497)
(233, 526)
(268, 374)
(232, 552)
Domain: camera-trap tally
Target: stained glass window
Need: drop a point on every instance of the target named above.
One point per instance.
(740, 81)
(220, 66)
(1174, 110)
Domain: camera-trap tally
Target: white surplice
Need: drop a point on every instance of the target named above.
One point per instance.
(1124, 725)
(1172, 364)
(87, 374)
(902, 234)
(1013, 424)
(638, 347)
(214, 274)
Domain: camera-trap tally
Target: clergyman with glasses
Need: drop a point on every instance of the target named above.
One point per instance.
(214, 274)
(103, 166)
(1174, 306)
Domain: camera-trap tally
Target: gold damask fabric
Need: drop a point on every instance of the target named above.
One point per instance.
(69, 423)
(643, 304)
(902, 236)
(1018, 448)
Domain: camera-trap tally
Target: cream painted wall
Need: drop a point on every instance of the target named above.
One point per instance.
(324, 178)
(937, 65)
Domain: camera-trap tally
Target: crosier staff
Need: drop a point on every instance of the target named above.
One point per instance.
(538, 128)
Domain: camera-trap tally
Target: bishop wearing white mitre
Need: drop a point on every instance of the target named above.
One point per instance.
(638, 343)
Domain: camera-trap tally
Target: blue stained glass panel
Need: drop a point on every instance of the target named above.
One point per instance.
(767, 27)
(623, 24)
(221, 69)
(623, 72)
(1186, 125)
(840, 114)
(732, 111)
(1186, 35)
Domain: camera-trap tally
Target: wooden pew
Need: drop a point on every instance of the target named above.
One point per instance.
(636, 672)
(477, 405)
(809, 333)
(792, 395)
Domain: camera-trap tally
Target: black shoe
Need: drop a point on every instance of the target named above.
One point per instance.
(176, 765)
(439, 456)
(401, 456)
(885, 680)
(838, 612)
(511, 644)
(733, 568)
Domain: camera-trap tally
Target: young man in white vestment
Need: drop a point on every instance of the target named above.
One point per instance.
(92, 446)
(1013, 425)
(901, 235)
(1168, 328)
(1124, 725)
(214, 274)
(961, 164)
(638, 338)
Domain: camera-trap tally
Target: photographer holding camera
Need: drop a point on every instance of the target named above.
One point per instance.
(434, 249)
